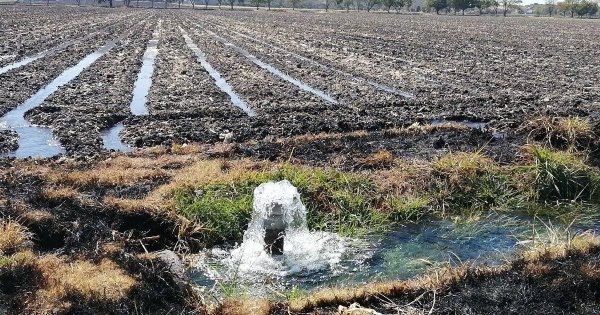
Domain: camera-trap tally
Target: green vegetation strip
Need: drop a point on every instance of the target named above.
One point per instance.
(551, 182)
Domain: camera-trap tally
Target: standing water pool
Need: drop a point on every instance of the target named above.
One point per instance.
(313, 260)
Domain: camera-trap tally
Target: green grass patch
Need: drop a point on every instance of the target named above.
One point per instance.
(335, 201)
(403, 209)
(470, 181)
(5, 262)
(563, 176)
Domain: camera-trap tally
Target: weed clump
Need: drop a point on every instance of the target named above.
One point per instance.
(563, 176)
(561, 132)
(13, 237)
(471, 181)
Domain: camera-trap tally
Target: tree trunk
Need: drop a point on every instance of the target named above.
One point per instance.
(269, 4)
(437, 11)
(463, 12)
(231, 5)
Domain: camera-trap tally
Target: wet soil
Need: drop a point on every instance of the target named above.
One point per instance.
(8, 141)
(499, 75)
(99, 97)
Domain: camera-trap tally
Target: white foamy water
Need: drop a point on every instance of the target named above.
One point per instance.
(304, 252)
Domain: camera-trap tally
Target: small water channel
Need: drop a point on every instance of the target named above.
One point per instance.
(301, 85)
(379, 86)
(111, 138)
(36, 141)
(219, 81)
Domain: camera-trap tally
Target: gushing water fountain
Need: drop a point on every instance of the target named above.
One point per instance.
(278, 242)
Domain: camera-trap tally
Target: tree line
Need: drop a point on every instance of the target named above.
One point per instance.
(551, 7)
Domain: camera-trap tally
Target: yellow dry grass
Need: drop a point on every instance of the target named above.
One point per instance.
(581, 243)
(121, 171)
(381, 158)
(103, 281)
(13, 237)
(243, 307)
(59, 193)
(434, 280)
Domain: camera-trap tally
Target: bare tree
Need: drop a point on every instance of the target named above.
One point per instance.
(231, 2)
(371, 4)
(388, 4)
(327, 5)
(294, 3)
(572, 5)
(257, 3)
(346, 3)
(550, 6)
(508, 4)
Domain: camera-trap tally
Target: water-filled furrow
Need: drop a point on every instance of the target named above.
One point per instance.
(377, 85)
(144, 80)
(219, 81)
(111, 138)
(301, 85)
(49, 52)
(35, 140)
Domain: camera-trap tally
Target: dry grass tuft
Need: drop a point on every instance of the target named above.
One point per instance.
(206, 172)
(536, 269)
(581, 243)
(379, 159)
(13, 237)
(243, 307)
(130, 205)
(102, 282)
(591, 270)
(568, 132)
(59, 194)
(462, 164)
(36, 216)
(435, 280)
(184, 149)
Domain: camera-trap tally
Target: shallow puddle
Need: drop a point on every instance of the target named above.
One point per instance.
(219, 81)
(38, 141)
(111, 139)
